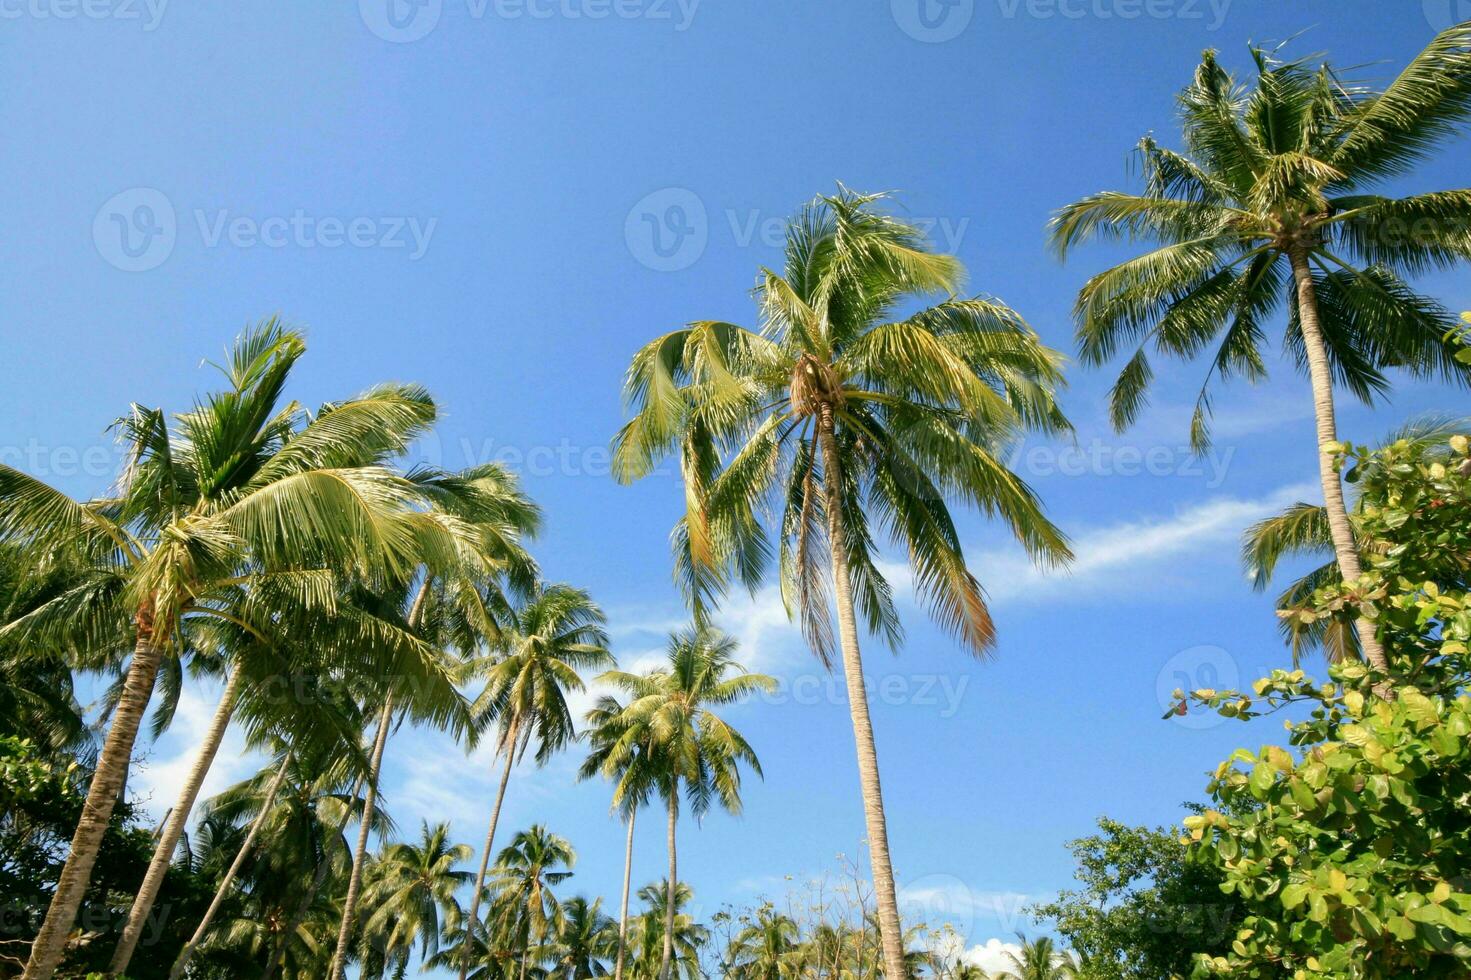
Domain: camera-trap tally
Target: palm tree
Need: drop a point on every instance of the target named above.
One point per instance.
(850, 408)
(1271, 201)
(549, 641)
(670, 717)
(37, 697)
(1302, 531)
(281, 907)
(1038, 959)
(587, 939)
(633, 776)
(460, 602)
(239, 500)
(413, 892)
(525, 907)
(766, 949)
(651, 928)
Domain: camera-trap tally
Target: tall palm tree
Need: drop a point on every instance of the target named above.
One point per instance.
(587, 939)
(633, 774)
(1038, 959)
(650, 929)
(851, 410)
(241, 498)
(460, 602)
(282, 905)
(1271, 202)
(671, 717)
(1301, 531)
(472, 509)
(525, 907)
(554, 637)
(413, 892)
(767, 948)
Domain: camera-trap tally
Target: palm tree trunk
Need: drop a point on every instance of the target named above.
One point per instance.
(1344, 546)
(509, 747)
(355, 880)
(623, 907)
(868, 762)
(102, 795)
(229, 880)
(173, 828)
(666, 955)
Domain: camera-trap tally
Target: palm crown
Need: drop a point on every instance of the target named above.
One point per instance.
(1271, 176)
(919, 404)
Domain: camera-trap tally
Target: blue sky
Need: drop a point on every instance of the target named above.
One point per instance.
(502, 199)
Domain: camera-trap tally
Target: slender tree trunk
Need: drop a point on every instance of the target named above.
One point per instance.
(102, 795)
(229, 880)
(509, 747)
(666, 955)
(173, 828)
(623, 907)
(868, 763)
(1344, 546)
(355, 879)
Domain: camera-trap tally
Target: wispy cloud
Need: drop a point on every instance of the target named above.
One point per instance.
(159, 777)
(1103, 553)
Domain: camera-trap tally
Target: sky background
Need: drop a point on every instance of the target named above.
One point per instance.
(503, 200)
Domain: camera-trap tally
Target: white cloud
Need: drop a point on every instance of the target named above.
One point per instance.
(1101, 554)
(158, 778)
(992, 955)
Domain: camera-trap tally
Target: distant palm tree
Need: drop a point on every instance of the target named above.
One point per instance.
(632, 768)
(1269, 203)
(857, 411)
(555, 636)
(649, 930)
(1302, 531)
(242, 496)
(413, 892)
(768, 948)
(460, 599)
(588, 939)
(1038, 959)
(670, 715)
(525, 908)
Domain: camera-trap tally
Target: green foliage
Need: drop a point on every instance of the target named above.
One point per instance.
(1277, 172)
(1144, 908)
(1351, 852)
